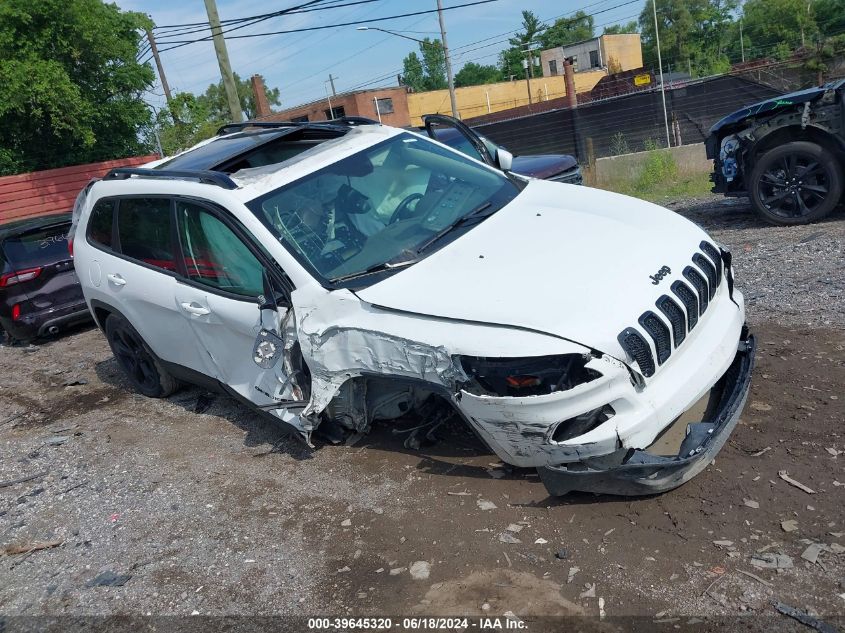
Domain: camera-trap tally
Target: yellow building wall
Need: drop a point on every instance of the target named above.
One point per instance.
(473, 100)
(625, 49)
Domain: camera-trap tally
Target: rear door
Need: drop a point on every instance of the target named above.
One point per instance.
(218, 295)
(133, 268)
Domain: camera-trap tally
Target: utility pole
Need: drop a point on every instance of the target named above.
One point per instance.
(527, 81)
(662, 83)
(449, 77)
(741, 41)
(223, 62)
(161, 74)
(331, 81)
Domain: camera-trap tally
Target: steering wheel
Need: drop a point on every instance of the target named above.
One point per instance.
(403, 211)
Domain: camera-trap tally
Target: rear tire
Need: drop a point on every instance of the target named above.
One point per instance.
(796, 183)
(137, 360)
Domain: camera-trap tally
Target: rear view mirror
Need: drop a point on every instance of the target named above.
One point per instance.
(504, 159)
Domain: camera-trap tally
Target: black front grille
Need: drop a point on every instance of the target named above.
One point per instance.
(713, 253)
(690, 301)
(636, 347)
(673, 312)
(704, 278)
(659, 334)
(700, 284)
(708, 269)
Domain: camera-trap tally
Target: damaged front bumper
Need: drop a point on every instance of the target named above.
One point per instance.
(632, 472)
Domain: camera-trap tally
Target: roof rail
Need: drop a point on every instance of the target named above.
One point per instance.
(204, 176)
(347, 121)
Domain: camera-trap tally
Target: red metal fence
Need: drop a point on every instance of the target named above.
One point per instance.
(53, 190)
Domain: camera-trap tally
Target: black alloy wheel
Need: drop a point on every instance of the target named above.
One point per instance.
(796, 183)
(136, 360)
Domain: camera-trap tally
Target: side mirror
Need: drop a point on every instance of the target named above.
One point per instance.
(270, 298)
(504, 159)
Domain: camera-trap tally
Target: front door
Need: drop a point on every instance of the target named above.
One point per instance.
(219, 298)
(459, 136)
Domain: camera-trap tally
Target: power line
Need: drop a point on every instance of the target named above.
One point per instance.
(332, 26)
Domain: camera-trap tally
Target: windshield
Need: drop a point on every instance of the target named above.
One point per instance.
(380, 206)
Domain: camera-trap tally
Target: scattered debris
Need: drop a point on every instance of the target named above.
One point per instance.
(790, 525)
(723, 543)
(834, 452)
(20, 480)
(755, 577)
(601, 608)
(540, 541)
(515, 528)
(804, 618)
(344, 569)
(760, 452)
(56, 440)
(507, 537)
(751, 503)
(483, 504)
(562, 554)
(761, 406)
(836, 548)
(463, 493)
(346, 523)
(770, 560)
(572, 572)
(590, 591)
(812, 552)
(12, 550)
(785, 476)
(109, 579)
(397, 570)
(420, 570)
(75, 382)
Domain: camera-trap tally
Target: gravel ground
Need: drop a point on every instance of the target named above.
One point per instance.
(195, 505)
(794, 272)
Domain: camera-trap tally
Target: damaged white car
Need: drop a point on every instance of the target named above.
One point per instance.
(365, 272)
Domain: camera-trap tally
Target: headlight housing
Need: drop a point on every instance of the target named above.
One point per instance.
(526, 376)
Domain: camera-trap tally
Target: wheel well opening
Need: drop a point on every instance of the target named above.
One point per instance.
(796, 133)
(100, 315)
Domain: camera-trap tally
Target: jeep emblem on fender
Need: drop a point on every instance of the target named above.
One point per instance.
(655, 279)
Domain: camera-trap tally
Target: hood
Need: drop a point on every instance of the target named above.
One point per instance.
(543, 165)
(575, 262)
(776, 103)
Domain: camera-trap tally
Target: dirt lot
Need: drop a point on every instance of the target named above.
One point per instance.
(195, 505)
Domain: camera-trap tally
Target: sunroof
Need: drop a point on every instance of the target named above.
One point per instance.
(220, 150)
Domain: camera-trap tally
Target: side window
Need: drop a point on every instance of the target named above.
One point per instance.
(214, 255)
(100, 223)
(144, 230)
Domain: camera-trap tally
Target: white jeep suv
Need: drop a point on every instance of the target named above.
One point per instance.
(342, 274)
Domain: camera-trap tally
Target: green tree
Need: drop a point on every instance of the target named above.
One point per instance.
(567, 31)
(621, 29)
(512, 58)
(218, 104)
(473, 74)
(776, 28)
(70, 85)
(693, 34)
(413, 74)
(185, 122)
(426, 71)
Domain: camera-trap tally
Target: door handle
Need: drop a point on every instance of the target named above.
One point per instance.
(116, 279)
(195, 308)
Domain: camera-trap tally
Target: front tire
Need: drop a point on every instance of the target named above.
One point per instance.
(137, 360)
(796, 183)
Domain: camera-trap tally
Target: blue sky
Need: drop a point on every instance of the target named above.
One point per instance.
(299, 63)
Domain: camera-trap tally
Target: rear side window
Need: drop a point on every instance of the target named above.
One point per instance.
(100, 223)
(214, 255)
(36, 248)
(144, 231)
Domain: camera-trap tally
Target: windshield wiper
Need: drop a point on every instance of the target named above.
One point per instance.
(377, 268)
(457, 224)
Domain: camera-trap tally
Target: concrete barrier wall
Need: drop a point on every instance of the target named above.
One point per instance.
(690, 159)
